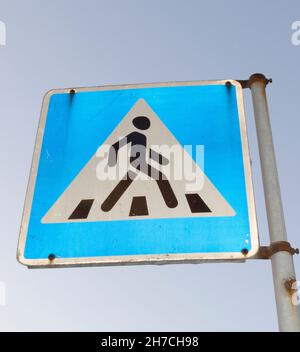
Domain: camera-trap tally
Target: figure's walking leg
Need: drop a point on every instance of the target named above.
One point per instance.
(118, 191)
(167, 193)
(163, 184)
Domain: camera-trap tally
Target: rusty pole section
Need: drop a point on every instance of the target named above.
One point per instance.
(282, 261)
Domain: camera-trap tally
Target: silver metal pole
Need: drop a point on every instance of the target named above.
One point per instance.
(282, 261)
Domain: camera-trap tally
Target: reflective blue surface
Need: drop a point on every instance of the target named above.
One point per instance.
(76, 126)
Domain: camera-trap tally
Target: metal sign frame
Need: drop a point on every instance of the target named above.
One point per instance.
(140, 259)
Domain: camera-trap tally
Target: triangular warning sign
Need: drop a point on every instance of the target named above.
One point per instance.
(105, 190)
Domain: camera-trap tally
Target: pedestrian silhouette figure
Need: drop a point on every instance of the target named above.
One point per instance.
(137, 159)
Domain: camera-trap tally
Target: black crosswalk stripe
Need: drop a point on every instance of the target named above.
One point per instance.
(196, 203)
(139, 207)
(82, 210)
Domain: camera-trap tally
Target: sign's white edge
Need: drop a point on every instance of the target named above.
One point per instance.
(140, 259)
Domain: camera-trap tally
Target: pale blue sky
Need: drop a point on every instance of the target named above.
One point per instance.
(55, 44)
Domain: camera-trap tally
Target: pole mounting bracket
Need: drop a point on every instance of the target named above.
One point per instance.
(266, 252)
(246, 83)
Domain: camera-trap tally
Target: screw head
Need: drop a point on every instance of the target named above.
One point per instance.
(245, 251)
(51, 257)
(228, 84)
(72, 91)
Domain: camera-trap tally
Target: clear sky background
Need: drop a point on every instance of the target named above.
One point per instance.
(67, 43)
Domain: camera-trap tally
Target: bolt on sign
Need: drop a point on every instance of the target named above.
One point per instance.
(146, 173)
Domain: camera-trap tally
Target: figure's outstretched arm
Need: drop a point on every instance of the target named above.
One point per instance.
(114, 150)
(159, 158)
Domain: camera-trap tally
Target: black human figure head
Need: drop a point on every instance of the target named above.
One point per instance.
(141, 122)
